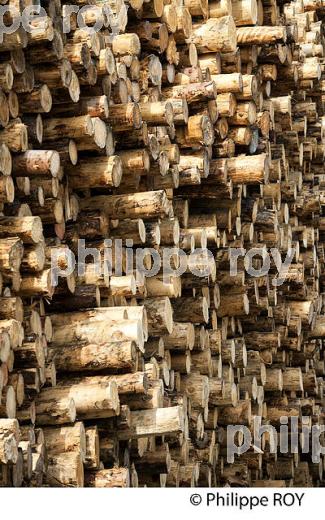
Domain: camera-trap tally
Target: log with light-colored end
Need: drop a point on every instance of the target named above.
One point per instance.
(66, 439)
(93, 357)
(65, 470)
(159, 421)
(108, 478)
(216, 35)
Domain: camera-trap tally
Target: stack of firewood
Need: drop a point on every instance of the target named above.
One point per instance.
(180, 126)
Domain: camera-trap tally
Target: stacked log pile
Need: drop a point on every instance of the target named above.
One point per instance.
(179, 124)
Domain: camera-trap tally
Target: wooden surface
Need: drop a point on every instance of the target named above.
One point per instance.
(196, 125)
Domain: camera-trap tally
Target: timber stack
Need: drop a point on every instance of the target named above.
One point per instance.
(180, 126)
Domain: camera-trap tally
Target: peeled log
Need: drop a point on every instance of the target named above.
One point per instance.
(159, 421)
(28, 229)
(318, 331)
(9, 438)
(160, 315)
(99, 332)
(65, 470)
(244, 12)
(8, 448)
(227, 83)
(261, 35)
(136, 383)
(66, 439)
(8, 403)
(119, 355)
(108, 478)
(54, 409)
(71, 127)
(91, 401)
(248, 169)
(137, 205)
(190, 309)
(36, 163)
(216, 35)
(95, 173)
(182, 337)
